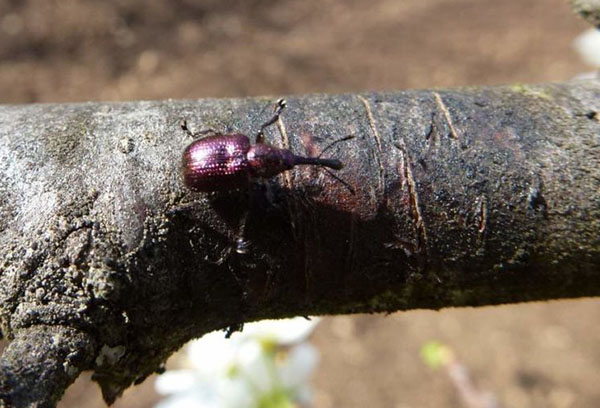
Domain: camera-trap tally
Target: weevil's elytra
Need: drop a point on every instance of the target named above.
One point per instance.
(216, 163)
(229, 161)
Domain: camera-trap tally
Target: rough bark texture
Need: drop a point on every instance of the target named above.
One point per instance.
(42, 362)
(462, 198)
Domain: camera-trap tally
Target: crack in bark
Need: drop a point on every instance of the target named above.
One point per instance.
(287, 178)
(482, 215)
(373, 126)
(286, 145)
(446, 112)
(406, 172)
(482, 222)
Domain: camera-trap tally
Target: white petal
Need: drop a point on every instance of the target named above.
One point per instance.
(303, 396)
(236, 393)
(175, 381)
(255, 367)
(588, 46)
(284, 331)
(211, 352)
(299, 365)
(193, 399)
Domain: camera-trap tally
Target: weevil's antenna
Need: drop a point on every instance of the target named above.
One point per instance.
(330, 145)
(331, 174)
(317, 161)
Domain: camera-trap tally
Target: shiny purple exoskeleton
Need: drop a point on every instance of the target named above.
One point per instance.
(229, 161)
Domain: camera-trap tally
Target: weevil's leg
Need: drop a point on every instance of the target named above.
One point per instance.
(196, 135)
(279, 107)
(182, 208)
(235, 327)
(241, 244)
(225, 254)
(344, 183)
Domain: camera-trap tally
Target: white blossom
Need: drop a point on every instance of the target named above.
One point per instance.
(588, 46)
(268, 364)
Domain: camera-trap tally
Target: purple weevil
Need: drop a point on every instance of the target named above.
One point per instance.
(223, 162)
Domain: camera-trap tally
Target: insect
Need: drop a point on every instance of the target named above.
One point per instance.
(222, 162)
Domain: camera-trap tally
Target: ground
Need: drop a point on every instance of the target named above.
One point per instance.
(528, 355)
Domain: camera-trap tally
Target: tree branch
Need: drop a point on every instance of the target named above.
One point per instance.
(39, 363)
(462, 198)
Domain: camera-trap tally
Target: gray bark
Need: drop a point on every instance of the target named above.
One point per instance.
(461, 198)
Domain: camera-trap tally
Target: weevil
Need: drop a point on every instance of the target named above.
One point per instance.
(223, 162)
(228, 161)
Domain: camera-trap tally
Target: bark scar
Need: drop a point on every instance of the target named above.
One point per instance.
(373, 125)
(287, 178)
(406, 172)
(446, 112)
(285, 140)
(483, 215)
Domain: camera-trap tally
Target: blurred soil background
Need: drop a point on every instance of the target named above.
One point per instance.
(528, 355)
